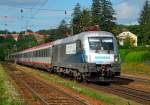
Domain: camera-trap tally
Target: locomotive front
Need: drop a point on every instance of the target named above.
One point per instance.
(101, 53)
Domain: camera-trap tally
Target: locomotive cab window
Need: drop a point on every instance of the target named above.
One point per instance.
(78, 45)
(101, 43)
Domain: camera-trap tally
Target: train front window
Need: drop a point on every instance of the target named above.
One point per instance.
(101, 43)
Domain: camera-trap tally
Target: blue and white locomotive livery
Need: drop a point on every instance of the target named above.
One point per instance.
(88, 56)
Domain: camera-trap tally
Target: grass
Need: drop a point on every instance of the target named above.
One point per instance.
(136, 68)
(134, 61)
(8, 94)
(110, 99)
(135, 55)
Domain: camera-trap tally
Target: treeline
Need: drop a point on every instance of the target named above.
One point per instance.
(101, 14)
(6, 44)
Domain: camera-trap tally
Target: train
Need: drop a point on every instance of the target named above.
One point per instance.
(87, 56)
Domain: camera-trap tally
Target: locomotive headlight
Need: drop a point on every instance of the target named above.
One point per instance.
(116, 59)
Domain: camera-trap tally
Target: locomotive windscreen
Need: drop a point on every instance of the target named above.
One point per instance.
(101, 43)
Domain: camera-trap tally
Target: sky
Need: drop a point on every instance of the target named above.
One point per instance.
(19, 15)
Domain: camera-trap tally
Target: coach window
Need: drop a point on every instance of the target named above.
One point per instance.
(33, 53)
(49, 51)
(43, 52)
(46, 52)
(38, 53)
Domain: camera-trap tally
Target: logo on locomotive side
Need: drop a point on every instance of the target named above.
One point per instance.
(102, 57)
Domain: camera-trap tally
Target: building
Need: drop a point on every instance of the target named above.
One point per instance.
(15, 36)
(127, 34)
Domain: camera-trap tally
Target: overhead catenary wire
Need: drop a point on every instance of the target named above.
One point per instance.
(32, 17)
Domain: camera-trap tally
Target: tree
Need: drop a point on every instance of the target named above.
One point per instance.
(6, 46)
(144, 16)
(76, 21)
(63, 30)
(51, 38)
(144, 22)
(25, 42)
(96, 12)
(85, 20)
(103, 14)
(29, 30)
(107, 18)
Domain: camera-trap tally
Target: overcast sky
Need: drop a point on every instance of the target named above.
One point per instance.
(45, 14)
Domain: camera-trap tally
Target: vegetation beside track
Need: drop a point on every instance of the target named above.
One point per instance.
(8, 94)
(139, 54)
(134, 61)
(136, 68)
(105, 97)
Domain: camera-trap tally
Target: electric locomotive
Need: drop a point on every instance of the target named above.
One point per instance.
(87, 56)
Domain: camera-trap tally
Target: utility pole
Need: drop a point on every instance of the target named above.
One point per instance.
(21, 13)
(71, 24)
(5, 17)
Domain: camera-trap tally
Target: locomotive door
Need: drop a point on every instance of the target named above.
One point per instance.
(56, 55)
(58, 58)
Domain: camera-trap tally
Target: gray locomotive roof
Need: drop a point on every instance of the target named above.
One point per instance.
(82, 36)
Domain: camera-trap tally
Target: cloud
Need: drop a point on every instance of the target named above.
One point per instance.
(21, 2)
(124, 10)
(128, 11)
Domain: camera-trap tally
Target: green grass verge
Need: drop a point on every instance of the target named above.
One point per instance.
(8, 94)
(110, 99)
(135, 55)
(136, 68)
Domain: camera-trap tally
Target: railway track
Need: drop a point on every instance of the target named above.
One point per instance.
(125, 77)
(128, 93)
(37, 92)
